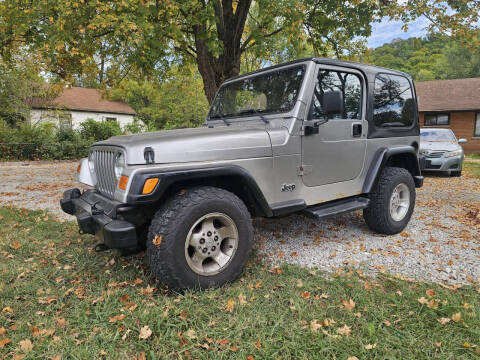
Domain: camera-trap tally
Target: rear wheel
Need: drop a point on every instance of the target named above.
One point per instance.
(391, 202)
(200, 238)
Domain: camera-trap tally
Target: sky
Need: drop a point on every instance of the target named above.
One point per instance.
(386, 30)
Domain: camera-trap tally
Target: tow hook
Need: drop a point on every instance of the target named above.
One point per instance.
(101, 247)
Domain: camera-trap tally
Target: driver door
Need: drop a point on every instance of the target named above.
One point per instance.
(335, 150)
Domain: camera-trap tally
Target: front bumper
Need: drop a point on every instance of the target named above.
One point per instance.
(442, 164)
(100, 216)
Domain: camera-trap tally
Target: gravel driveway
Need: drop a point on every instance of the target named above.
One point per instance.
(441, 243)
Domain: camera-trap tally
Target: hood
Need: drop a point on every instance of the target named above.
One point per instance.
(197, 144)
(439, 145)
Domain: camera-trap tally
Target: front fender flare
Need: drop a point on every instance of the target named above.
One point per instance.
(169, 178)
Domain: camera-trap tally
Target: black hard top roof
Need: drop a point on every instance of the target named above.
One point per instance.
(365, 68)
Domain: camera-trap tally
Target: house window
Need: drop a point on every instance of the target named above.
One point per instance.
(65, 121)
(111, 119)
(437, 119)
(477, 125)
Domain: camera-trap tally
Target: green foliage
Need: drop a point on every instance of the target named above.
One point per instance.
(46, 141)
(177, 102)
(99, 130)
(98, 42)
(432, 58)
(17, 86)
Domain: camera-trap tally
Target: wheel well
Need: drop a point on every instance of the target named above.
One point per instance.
(236, 184)
(404, 160)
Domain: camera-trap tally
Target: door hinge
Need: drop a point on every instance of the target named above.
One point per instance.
(304, 170)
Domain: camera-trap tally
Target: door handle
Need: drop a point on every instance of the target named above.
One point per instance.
(357, 130)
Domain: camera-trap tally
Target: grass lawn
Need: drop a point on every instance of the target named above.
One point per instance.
(59, 299)
(472, 168)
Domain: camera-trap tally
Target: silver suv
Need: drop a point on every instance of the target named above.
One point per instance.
(317, 136)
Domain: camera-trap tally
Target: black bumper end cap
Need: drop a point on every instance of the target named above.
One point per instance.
(119, 234)
(418, 181)
(66, 203)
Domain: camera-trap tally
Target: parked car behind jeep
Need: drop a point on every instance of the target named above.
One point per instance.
(440, 151)
(316, 136)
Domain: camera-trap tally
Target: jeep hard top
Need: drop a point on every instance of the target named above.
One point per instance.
(317, 136)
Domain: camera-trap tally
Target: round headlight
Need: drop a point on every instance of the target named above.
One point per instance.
(119, 165)
(91, 164)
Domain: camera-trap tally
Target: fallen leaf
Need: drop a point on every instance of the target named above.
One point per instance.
(26, 345)
(157, 240)
(345, 330)
(299, 283)
(15, 245)
(258, 345)
(457, 317)
(352, 358)
(242, 299)
(444, 321)
(116, 318)
(370, 346)
(349, 305)
(2, 331)
(145, 332)
(4, 342)
(430, 292)
(387, 323)
(191, 334)
(230, 305)
(423, 301)
(315, 325)
(305, 294)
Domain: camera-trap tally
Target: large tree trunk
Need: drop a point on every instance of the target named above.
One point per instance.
(230, 26)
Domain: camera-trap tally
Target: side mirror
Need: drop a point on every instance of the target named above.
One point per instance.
(332, 102)
(462, 141)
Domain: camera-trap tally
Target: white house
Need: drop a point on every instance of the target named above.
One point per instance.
(74, 105)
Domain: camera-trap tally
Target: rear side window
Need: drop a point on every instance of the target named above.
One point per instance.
(393, 104)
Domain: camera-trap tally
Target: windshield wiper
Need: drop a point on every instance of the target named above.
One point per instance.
(220, 117)
(254, 111)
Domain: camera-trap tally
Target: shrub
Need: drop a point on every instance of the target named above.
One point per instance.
(97, 131)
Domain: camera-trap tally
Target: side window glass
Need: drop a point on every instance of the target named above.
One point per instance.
(393, 104)
(348, 84)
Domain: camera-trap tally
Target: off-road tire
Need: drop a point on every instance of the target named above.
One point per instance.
(377, 215)
(172, 223)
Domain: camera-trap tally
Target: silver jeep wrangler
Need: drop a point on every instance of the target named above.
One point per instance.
(317, 136)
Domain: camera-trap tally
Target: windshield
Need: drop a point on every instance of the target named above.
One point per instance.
(272, 92)
(437, 135)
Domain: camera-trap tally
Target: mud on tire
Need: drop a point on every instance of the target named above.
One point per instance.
(172, 225)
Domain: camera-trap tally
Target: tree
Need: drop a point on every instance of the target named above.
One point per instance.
(177, 102)
(458, 19)
(142, 36)
(435, 57)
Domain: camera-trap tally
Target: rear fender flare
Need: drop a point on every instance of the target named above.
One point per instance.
(408, 155)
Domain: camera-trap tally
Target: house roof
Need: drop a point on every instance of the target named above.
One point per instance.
(83, 99)
(448, 95)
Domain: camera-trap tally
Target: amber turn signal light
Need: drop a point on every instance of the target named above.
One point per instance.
(122, 183)
(79, 167)
(149, 185)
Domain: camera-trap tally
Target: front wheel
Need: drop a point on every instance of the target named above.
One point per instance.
(201, 237)
(391, 202)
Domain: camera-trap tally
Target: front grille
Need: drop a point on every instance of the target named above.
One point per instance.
(436, 154)
(104, 161)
